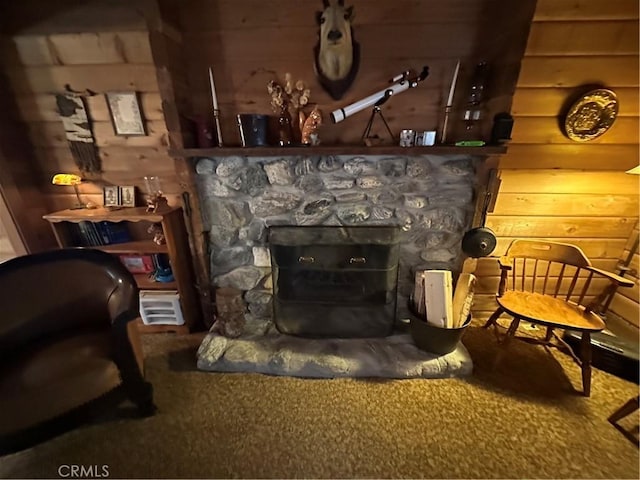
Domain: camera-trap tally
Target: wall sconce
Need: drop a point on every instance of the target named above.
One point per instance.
(70, 179)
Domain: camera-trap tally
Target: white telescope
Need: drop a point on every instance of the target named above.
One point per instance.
(399, 84)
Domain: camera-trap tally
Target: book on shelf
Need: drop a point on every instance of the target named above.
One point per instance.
(116, 232)
(157, 265)
(95, 234)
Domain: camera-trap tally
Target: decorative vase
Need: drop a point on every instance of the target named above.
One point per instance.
(285, 132)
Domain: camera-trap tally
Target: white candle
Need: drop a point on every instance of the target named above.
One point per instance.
(213, 90)
(453, 85)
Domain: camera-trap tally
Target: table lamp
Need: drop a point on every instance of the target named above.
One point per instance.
(70, 179)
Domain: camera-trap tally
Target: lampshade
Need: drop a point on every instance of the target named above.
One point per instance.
(66, 179)
(634, 171)
(70, 180)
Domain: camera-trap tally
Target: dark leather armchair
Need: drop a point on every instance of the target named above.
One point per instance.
(68, 343)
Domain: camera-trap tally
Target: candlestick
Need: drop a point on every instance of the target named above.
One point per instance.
(443, 137)
(216, 111)
(447, 110)
(213, 90)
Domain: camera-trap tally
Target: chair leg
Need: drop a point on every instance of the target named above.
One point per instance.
(549, 334)
(512, 330)
(585, 358)
(627, 409)
(494, 317)
(513, 327)
(141, 393)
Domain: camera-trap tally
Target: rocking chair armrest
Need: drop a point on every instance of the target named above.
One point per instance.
(506, 263)
(617, 279)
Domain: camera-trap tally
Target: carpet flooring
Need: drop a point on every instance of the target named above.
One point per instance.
(523, 419)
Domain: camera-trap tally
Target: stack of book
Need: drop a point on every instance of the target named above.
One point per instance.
(95, 234)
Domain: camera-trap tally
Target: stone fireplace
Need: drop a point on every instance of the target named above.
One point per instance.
(428, 198)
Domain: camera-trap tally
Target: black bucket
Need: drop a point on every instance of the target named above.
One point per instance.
(253, 129)
(431, 338)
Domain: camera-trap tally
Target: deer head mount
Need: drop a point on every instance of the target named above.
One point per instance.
(337, 54)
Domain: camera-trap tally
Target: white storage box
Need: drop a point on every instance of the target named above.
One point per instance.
(160, 307)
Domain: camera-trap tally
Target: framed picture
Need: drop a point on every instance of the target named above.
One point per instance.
(111, 196)
(124, 109)
(128, 196)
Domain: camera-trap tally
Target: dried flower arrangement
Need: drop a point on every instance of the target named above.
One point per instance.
(291, 97)
(289, 102)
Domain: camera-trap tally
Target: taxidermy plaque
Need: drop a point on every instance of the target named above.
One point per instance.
(337, 54)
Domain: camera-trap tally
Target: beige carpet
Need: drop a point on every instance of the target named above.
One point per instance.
(522, 420)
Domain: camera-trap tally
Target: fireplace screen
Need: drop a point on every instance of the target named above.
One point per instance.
(334, 281)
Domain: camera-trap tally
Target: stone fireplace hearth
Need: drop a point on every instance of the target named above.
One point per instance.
(428, 198)
(431, 199)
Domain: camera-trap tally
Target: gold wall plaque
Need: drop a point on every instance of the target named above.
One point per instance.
(591, 115)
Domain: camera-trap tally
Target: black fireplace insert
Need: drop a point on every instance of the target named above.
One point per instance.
(334, 281)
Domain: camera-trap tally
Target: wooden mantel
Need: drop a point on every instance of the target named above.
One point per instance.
(336, 150)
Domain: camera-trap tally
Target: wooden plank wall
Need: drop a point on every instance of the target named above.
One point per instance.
(555, 188)
(98, 57)
(625, 302)
(6, 249)
(251, 42)
(11, 243)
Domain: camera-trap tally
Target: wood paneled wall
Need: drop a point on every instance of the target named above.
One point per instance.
(251, 42)
(625, 301)
(558, 189)
(97, 48)
(6, 248)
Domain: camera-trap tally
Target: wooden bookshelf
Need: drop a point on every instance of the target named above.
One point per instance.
(145, 282)
(179, 329)
(134, 214)
(336, 150)
(135, 247)
(176, 248)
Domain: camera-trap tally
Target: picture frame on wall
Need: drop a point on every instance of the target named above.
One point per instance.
(128, 196)
(111, 196)
(125, 113)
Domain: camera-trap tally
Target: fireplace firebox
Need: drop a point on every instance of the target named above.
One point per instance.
(334, 281)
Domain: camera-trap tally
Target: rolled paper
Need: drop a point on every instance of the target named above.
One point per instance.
(453, 85)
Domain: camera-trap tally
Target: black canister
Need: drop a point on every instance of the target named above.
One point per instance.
(253, 129)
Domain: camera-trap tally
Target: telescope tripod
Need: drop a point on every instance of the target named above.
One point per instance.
(377, 110)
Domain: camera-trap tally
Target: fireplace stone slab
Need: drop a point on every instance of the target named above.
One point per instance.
(264, 350)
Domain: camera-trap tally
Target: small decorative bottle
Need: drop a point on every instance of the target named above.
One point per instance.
(473, 109)
(285, 132)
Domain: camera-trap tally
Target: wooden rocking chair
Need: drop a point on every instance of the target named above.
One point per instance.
(547, 283)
